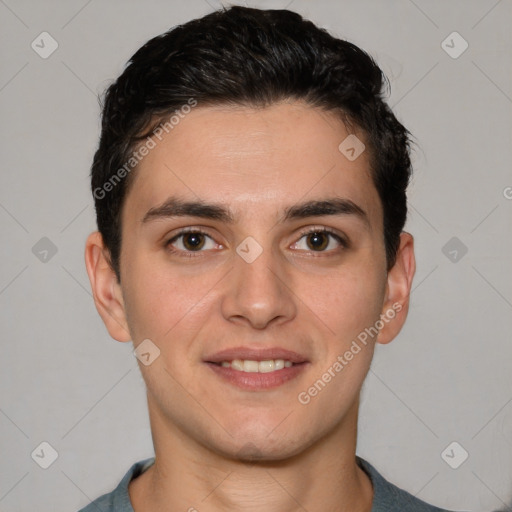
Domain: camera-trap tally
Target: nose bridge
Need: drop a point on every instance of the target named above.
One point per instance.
(257, 291)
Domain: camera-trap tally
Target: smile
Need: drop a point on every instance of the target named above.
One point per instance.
(256, 368)
(251, 366)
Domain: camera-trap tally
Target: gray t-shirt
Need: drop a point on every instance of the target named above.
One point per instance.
(387, 497)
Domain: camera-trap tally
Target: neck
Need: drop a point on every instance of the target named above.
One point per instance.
(190, 477)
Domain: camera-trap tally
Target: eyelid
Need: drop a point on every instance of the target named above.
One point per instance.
(340, 238)
(183, 231)
(318, 228)
(189, 229)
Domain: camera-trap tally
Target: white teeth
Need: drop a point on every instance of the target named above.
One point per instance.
(251, 366)
(266, 366)
(279, 364)
(237, 365)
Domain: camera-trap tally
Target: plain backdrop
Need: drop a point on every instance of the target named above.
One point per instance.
(447, 377)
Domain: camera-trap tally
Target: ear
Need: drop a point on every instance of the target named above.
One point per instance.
(106, 289)
(398, 289)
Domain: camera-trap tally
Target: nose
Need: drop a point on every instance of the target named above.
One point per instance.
(259, 293)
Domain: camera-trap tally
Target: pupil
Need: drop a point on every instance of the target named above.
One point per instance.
(318, 241)
(193, 241)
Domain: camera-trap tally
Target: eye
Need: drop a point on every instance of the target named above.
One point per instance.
(319, 240)
(192, 240)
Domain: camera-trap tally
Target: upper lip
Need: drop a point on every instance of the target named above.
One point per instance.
(255, 354)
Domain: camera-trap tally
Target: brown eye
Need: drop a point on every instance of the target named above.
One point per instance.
(193, 241)
(318, 241)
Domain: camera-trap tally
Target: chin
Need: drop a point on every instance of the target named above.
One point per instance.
(252, 453)
(263, 445)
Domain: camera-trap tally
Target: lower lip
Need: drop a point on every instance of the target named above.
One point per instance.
(258, 381)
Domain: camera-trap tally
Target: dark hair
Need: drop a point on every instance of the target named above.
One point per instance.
(250, 57)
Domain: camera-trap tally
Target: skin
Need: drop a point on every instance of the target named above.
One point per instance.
(219, 447)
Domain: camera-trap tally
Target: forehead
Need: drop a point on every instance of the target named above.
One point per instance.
(267, 158)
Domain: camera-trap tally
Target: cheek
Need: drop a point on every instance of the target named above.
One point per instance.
(161, 305)
(348, 302)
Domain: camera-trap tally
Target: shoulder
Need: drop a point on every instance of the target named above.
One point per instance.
(390, 498)
(119, 500)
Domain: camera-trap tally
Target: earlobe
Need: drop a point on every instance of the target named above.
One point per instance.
(105, 288)
(398, 289)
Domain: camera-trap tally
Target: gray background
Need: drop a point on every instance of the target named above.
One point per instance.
(446, 377)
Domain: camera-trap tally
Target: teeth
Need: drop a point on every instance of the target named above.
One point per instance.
(278, 364)
(250, 366)
(237, 365)
(266, 366)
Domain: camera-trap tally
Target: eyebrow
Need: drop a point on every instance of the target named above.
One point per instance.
(176, 207)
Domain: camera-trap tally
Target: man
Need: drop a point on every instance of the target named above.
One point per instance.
(250, 189)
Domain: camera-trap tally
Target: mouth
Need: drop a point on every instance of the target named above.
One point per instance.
(253, 366)
(257, 369)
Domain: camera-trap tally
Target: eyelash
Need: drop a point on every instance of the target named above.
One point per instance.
(185, 254)
(192, 254)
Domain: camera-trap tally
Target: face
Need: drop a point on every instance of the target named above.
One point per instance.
(253, 257)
